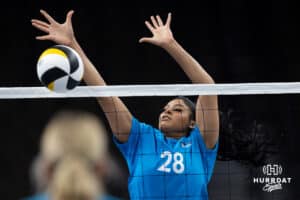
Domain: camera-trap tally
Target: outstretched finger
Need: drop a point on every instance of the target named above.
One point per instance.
(47, 16)
(168, 23)
(154, 22)
(40, 27)
(146, 39)
(160, 23)
(39, 22)
(43, 37)
(150, 27)
(69, 17)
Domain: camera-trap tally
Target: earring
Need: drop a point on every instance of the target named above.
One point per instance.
(192, 124)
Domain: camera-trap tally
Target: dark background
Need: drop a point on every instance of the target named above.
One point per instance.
(236, 42)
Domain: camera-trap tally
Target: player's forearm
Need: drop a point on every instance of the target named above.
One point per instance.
(91, 75)
(190, 66)
(115, 110)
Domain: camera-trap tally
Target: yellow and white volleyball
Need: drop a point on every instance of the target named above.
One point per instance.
(60, 68)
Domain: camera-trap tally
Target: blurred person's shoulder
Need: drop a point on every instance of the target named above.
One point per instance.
(36, 197)
(45, 197)
(109, 197)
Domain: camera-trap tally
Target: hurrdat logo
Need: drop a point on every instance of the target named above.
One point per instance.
(272, 180)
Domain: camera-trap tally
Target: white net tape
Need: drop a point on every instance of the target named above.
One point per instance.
(153, 90)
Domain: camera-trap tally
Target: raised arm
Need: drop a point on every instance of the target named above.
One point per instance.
(207, 115)
(116, 112)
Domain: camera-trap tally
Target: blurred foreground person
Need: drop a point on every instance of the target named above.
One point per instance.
(72, 160)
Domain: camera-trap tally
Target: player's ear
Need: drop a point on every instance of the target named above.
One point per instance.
(192, 124)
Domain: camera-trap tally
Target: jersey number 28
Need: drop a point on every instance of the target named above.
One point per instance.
(173, 162)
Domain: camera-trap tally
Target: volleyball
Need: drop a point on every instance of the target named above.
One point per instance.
(60, 68)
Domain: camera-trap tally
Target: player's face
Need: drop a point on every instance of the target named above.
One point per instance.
(175, 117)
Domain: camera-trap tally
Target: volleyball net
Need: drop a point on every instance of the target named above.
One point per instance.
(258, 150)
(153, 90)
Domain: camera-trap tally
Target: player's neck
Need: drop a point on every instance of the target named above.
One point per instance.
(175, 135)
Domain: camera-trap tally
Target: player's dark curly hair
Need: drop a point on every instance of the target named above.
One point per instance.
(189, 103)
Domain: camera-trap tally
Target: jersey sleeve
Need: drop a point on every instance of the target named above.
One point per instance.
(209, 155)
(140, 133)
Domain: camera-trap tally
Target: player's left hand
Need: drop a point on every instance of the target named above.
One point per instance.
(162, 34)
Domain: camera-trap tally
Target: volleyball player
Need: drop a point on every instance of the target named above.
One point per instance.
(175, 160)
(73, 158)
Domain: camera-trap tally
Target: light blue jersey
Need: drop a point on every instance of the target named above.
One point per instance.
(164, 168)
